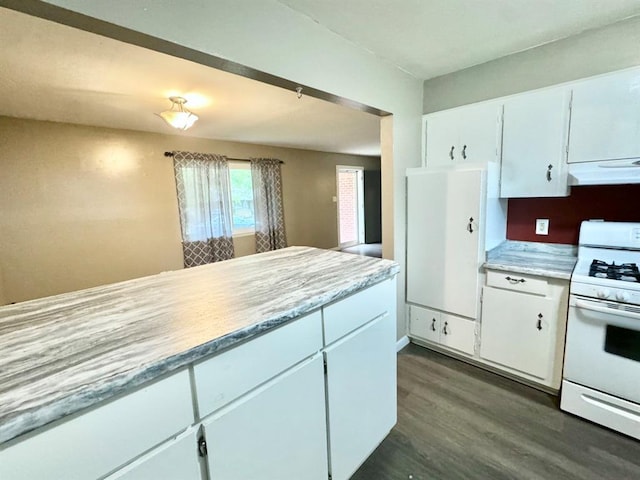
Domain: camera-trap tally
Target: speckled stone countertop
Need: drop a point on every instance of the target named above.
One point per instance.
(64, 353)
(545, 259)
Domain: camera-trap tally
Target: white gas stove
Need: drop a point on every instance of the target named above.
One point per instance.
(601, 377)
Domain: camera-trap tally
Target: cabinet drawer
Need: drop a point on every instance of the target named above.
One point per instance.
(223, 378)
(518, 282)
(457, 333)
(346, 315)
(424, 323)
(94, 443)
(175, 459)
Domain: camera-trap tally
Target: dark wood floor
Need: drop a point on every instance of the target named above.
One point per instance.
(457, 421)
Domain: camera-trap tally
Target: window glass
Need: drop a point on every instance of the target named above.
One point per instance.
(241, 198)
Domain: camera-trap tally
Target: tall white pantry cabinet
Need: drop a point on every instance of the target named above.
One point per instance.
(454, 215)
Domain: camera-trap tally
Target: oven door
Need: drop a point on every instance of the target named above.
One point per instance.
(603, 347)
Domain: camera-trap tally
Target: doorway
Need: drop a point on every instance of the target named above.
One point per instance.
(350, 199)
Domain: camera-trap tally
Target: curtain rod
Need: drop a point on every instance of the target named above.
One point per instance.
(170, 154)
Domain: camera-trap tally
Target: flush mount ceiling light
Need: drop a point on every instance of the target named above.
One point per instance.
(178, 116)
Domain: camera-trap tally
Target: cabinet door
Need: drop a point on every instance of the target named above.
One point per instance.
(426, 241)
(424, 323)
(605, 118)
(177, 459)
(442, 139)
(443, 218)
(518, 331)
(361, 394)
(275, 432)
(457, 333)
(534, 145)
(478, 133)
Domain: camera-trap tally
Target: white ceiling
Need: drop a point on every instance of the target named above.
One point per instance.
(54, 72)
(428, 38)
(57, 73)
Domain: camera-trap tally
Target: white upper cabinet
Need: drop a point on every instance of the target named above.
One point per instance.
(605, 118)
(462, 136)
(441, 132)
(534, 145)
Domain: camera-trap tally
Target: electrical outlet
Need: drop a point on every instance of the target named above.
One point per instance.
(542, 226)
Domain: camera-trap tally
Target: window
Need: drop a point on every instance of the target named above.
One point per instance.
(242, 215)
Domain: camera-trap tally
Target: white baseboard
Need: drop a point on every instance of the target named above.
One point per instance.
(403, 342)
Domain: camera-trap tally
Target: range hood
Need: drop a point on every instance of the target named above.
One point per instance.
(607, 172)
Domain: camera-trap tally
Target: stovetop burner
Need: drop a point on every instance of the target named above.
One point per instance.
(626, 272)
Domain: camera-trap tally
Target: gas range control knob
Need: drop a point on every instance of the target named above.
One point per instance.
(622, 296)
(604, 293)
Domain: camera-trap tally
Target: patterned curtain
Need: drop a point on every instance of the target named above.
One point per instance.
(267, 200)
(202, 182)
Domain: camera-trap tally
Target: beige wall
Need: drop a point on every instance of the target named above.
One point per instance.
(591, 53)
(2, 300)
(84, 206)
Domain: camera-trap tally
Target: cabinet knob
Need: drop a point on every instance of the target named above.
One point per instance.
(549, 173)
(539, 324)
(451, 152)
(470, 225)
(433, 324)
(464, 152)
(445, 330)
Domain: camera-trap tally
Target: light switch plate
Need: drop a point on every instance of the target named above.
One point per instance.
(542, 226)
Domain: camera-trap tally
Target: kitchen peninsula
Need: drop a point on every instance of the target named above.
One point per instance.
(209, 371)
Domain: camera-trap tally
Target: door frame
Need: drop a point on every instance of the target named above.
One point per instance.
(360, 203)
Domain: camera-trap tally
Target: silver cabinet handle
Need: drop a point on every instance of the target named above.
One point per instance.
(539, 324)
(464, 152)
(470, 225)
(451, 152)
(549, 173)
(445, 330)
(514, 280)
(433, 324)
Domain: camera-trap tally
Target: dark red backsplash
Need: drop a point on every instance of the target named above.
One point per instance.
(619, 203)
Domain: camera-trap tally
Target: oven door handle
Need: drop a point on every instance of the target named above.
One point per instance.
(613, 312)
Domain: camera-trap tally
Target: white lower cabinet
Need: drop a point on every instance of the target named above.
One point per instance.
(361, 394)
(516, 332)
(276, 432)
(442, 329)
(523, 326)
(266, 409)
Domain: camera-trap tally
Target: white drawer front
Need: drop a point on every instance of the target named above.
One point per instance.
(175, 459)
(346, 315)
(223, 378)
(518, 282)
(457, 333)
(424, 323)
(106, 437)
